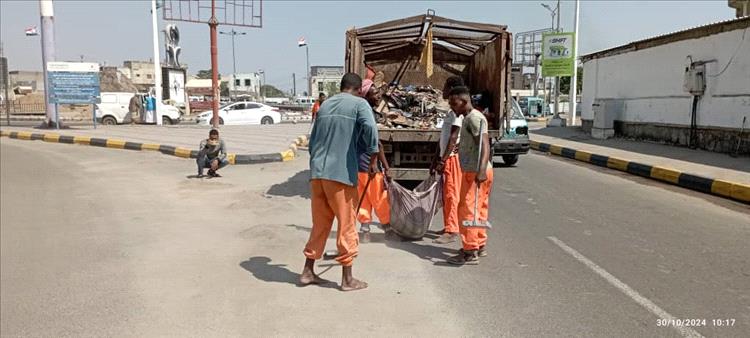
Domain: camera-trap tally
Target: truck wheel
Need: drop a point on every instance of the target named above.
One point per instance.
(510, 159)
(109, 121)
(166, 120)
(266, 120)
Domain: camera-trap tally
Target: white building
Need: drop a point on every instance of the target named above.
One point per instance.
(326, 79)
(243, 83)
(639, 89)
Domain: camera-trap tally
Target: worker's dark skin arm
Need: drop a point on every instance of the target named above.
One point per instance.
(485, 158)
(384, 161)
(438, 163)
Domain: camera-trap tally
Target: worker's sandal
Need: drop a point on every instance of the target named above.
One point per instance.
(482, 252)
(468, 257)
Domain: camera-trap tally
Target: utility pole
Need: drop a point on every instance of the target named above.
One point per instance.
(157, 63)
(574, 78)
(536, 74)
(233, 33)
(212, 24)
(309, 80)
(557, 78)
(294, 85)
(262, 83)
(47, 14)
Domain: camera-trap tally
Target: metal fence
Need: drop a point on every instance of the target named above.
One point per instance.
(23, 108)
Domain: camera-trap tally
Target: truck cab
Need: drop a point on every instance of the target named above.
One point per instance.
(515, 139)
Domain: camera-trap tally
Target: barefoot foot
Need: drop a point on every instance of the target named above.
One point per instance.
(353, 284)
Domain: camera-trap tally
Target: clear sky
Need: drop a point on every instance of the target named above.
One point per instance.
(113, 31)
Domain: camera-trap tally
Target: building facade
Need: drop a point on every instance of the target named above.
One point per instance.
(326, 79)
(243, 84)
(141, 73)
(685, 88)
(27, 79)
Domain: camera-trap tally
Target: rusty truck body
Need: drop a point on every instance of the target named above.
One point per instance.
(479, 53)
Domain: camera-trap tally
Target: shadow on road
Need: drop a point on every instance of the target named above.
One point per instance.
(276, 273)
(297, 185)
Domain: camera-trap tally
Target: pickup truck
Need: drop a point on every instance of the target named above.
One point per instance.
(478, 52)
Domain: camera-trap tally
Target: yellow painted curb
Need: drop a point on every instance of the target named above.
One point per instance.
(293, 147)
(51, 138)
(85, 140)
(231, 158)
(616, 163)
(737, 191)
(150, 146)
(287, 155)
(665, 174)
(182, 152)
(117, 144)
(4, 133)
(583, 156)
(24, 135)
(557, 150)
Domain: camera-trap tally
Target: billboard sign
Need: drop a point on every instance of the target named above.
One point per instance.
(73, 82)
(557, 54)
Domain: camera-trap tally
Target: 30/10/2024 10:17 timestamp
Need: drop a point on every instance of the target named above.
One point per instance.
(718, 322)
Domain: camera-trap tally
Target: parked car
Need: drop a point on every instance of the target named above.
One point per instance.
(243, 113)
(515, 140)
(113, 109)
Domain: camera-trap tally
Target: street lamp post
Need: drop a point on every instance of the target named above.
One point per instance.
(555, 13)
(233, 33)
(262, 83)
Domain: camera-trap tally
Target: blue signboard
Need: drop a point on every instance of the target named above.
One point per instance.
(73, 83)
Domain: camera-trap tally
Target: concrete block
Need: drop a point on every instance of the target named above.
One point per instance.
(602, 134)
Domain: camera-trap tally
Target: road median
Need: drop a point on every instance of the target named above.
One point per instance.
(719, 187)
(286, 155)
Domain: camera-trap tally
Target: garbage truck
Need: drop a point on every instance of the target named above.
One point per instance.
(423, 51)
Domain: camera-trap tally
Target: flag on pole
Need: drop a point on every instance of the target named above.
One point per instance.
(31, 31)
(301, 42)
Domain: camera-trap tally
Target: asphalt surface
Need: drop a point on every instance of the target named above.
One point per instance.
(100, 242)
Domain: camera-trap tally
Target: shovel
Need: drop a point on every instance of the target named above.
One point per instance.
(476, 222)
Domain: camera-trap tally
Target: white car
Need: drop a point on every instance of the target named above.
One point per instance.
(243, 113)
(113, 109)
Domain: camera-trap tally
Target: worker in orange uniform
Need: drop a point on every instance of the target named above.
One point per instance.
(318, 103)
(477, 174)
(376, 196)
(446, 163)
(345, 127)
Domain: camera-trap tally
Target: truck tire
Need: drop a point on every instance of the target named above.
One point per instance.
(166, 120)
(109, 121)
(510, 159)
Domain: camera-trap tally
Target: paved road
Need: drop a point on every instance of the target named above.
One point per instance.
(103, 242)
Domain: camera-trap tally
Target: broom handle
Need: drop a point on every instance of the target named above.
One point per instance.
(479, 167)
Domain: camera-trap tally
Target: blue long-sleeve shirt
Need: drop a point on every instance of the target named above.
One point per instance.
(344, 128)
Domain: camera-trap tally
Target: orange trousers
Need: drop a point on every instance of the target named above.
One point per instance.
(451, 193)
(473, 238)
(331, 200)
(376, 198)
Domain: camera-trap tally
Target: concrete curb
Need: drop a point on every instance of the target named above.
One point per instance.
(537, 119)
(737, 191)
(286, 155)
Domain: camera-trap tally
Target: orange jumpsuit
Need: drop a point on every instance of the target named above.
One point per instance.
(376, 198)
(331, 199)
(474, 237)
(451, 193)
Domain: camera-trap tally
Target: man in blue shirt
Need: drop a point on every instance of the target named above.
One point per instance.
(344, 128)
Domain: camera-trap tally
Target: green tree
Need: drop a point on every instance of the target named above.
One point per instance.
(332, 88)
(224, 88)
(205, 74)
(565, 82)
(271, 91)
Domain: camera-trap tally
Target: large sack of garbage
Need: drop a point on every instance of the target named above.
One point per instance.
(412, 210)
(419, 107)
